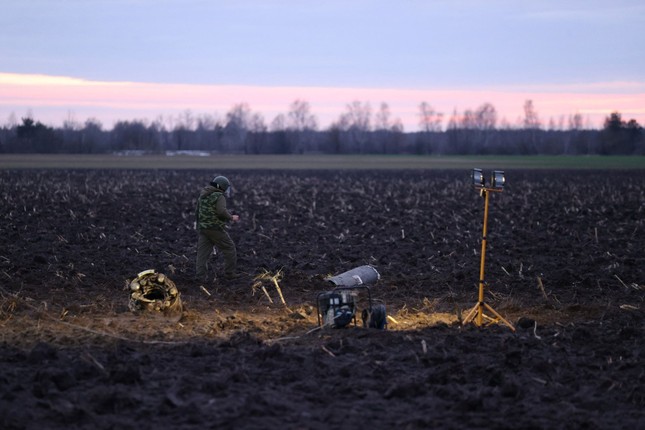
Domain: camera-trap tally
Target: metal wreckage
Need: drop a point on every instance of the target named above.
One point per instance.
(155, 292)
(336, 308)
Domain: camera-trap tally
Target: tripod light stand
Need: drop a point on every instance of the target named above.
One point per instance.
(476, 314)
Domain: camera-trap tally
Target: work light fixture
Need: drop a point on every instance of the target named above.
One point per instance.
(478, 178)
(497, 180)
(477, 314)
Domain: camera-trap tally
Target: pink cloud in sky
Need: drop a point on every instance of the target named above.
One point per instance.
(52, 99)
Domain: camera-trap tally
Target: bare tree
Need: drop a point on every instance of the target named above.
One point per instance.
(573, 140)
(206, 132)
(92, 136)
(395, 137)
(532, 126)
(301, 125)
(187, 119)
(207, 122)
(387, 132)
(531, 118)
(575, 122)
(429, 126)
(355, 121)
(12, 121)
(70, 123)
(237, 126)
(71, 135)
(485, 117)
(182, 133)
(485, 122)
(279, 141)
(382, 118)
(300, 116)
(429, 119)
(279, 123)
(257, 136)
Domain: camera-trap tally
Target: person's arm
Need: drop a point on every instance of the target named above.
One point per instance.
(223, 213)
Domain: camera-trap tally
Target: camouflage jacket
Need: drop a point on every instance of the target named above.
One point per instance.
(211, 209)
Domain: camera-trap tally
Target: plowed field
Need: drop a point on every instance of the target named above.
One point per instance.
(564, 265)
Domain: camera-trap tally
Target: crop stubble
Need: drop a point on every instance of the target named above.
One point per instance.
(564, 263)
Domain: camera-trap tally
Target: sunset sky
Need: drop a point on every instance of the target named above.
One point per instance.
(142, 59)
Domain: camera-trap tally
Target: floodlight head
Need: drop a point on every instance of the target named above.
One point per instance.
(497, 179)
(478, 178)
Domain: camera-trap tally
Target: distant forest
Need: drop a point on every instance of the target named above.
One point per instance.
(357, 131)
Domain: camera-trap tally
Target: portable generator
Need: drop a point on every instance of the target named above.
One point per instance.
(337, 308)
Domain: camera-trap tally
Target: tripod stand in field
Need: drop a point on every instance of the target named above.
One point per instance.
(477, 313)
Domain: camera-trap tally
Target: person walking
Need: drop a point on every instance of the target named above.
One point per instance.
(212, 219)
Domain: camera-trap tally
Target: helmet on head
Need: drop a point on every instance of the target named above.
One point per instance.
(222, 184)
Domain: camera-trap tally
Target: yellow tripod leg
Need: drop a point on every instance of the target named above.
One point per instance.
(499, 317)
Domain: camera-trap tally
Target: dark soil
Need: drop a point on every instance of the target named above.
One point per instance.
(564, 266)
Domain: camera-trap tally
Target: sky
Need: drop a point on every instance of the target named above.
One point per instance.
(117, 60)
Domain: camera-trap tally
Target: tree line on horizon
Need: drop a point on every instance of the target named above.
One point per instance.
(357, 131)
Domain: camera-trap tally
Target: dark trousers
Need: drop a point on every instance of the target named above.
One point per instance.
(207, 239)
